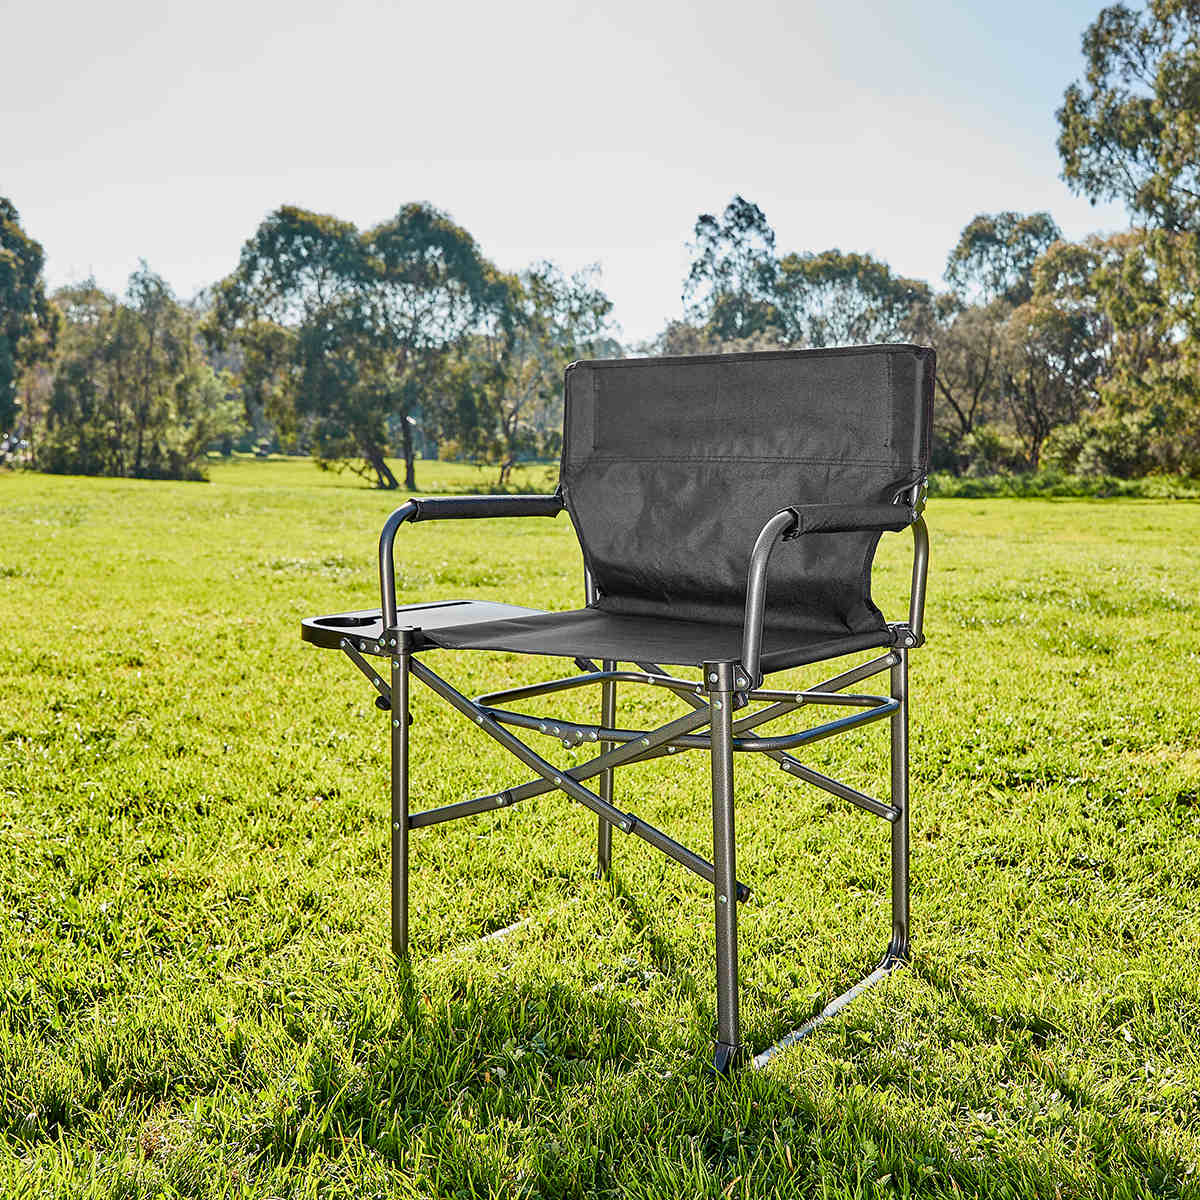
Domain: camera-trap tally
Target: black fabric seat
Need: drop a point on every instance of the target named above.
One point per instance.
(591, 633)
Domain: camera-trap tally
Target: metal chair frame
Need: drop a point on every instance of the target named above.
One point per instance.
(727, 687)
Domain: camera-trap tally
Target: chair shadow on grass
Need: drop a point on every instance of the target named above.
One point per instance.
(1161, 1173)
(476, 1080)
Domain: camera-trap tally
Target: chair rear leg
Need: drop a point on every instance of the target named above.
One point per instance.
(608, 718)
(400, 681)
(719, 677)
(898, 948)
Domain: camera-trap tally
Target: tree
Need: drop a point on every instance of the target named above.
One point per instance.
(505, 384)
(1054, 357)
(1131, 130)
(1141, 290)
(562, 317)
(431, 287)
(730, 286)
(995, 254)
(683, 337)
(296, 306)
(740, 296)
(29, 323)
(969, 341)
(991, 269)
(130, 394)
(345, 333)
(837, 299)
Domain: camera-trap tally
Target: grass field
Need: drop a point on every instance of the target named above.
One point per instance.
(196, 996)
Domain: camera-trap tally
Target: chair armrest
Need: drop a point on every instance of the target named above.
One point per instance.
(796, 522)
(448, 508)
(458, 508)
(848, 518)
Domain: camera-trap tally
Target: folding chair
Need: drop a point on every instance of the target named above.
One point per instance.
(728, 508)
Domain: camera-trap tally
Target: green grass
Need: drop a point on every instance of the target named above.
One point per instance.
(1053, 483)
(196, 996)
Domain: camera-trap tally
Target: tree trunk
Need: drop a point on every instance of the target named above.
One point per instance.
(410, 472)
(383, 473)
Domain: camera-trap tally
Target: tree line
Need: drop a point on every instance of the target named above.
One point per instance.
(404, 340)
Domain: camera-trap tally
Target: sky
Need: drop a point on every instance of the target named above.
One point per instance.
(581, 133)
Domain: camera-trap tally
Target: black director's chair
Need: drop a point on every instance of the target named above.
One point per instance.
(728, 508)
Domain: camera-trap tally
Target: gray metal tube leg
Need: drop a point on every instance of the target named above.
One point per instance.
(400, 680)
(899, 946)
(608, 718)
(720, 678)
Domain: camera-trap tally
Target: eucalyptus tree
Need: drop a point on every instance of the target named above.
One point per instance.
(730, 286)
(29, 323)
(505, 400)
(839, 299)
(344, 332)
(297, 306)
(130, 394)
(1057, 349)
(995, 255)
(970, 346)
(431, 289)
(1140, 292)
(1130, 130)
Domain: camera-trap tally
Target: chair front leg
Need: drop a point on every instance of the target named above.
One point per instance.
(719, 678)
(898, 948)
(400, 681)
(608, 718)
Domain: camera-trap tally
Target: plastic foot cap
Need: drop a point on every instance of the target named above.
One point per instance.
(726, 1059)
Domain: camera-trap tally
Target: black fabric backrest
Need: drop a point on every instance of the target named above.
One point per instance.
(671, 466)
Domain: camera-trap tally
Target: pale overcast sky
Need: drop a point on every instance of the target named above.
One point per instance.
(577, 132)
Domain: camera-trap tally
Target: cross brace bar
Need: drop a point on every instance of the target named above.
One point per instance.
(566, 782)
(793, 767)
(658, 678)
(875, 709)
(385, 692)
(636, 752)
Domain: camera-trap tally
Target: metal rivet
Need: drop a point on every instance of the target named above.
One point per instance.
(478, 720)
(723, 899)
(645, 741)
(558, 779)
(395, 824)
(395, 664)
(542, 727)
(716, 704)
(712, 677)
(395, 724)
